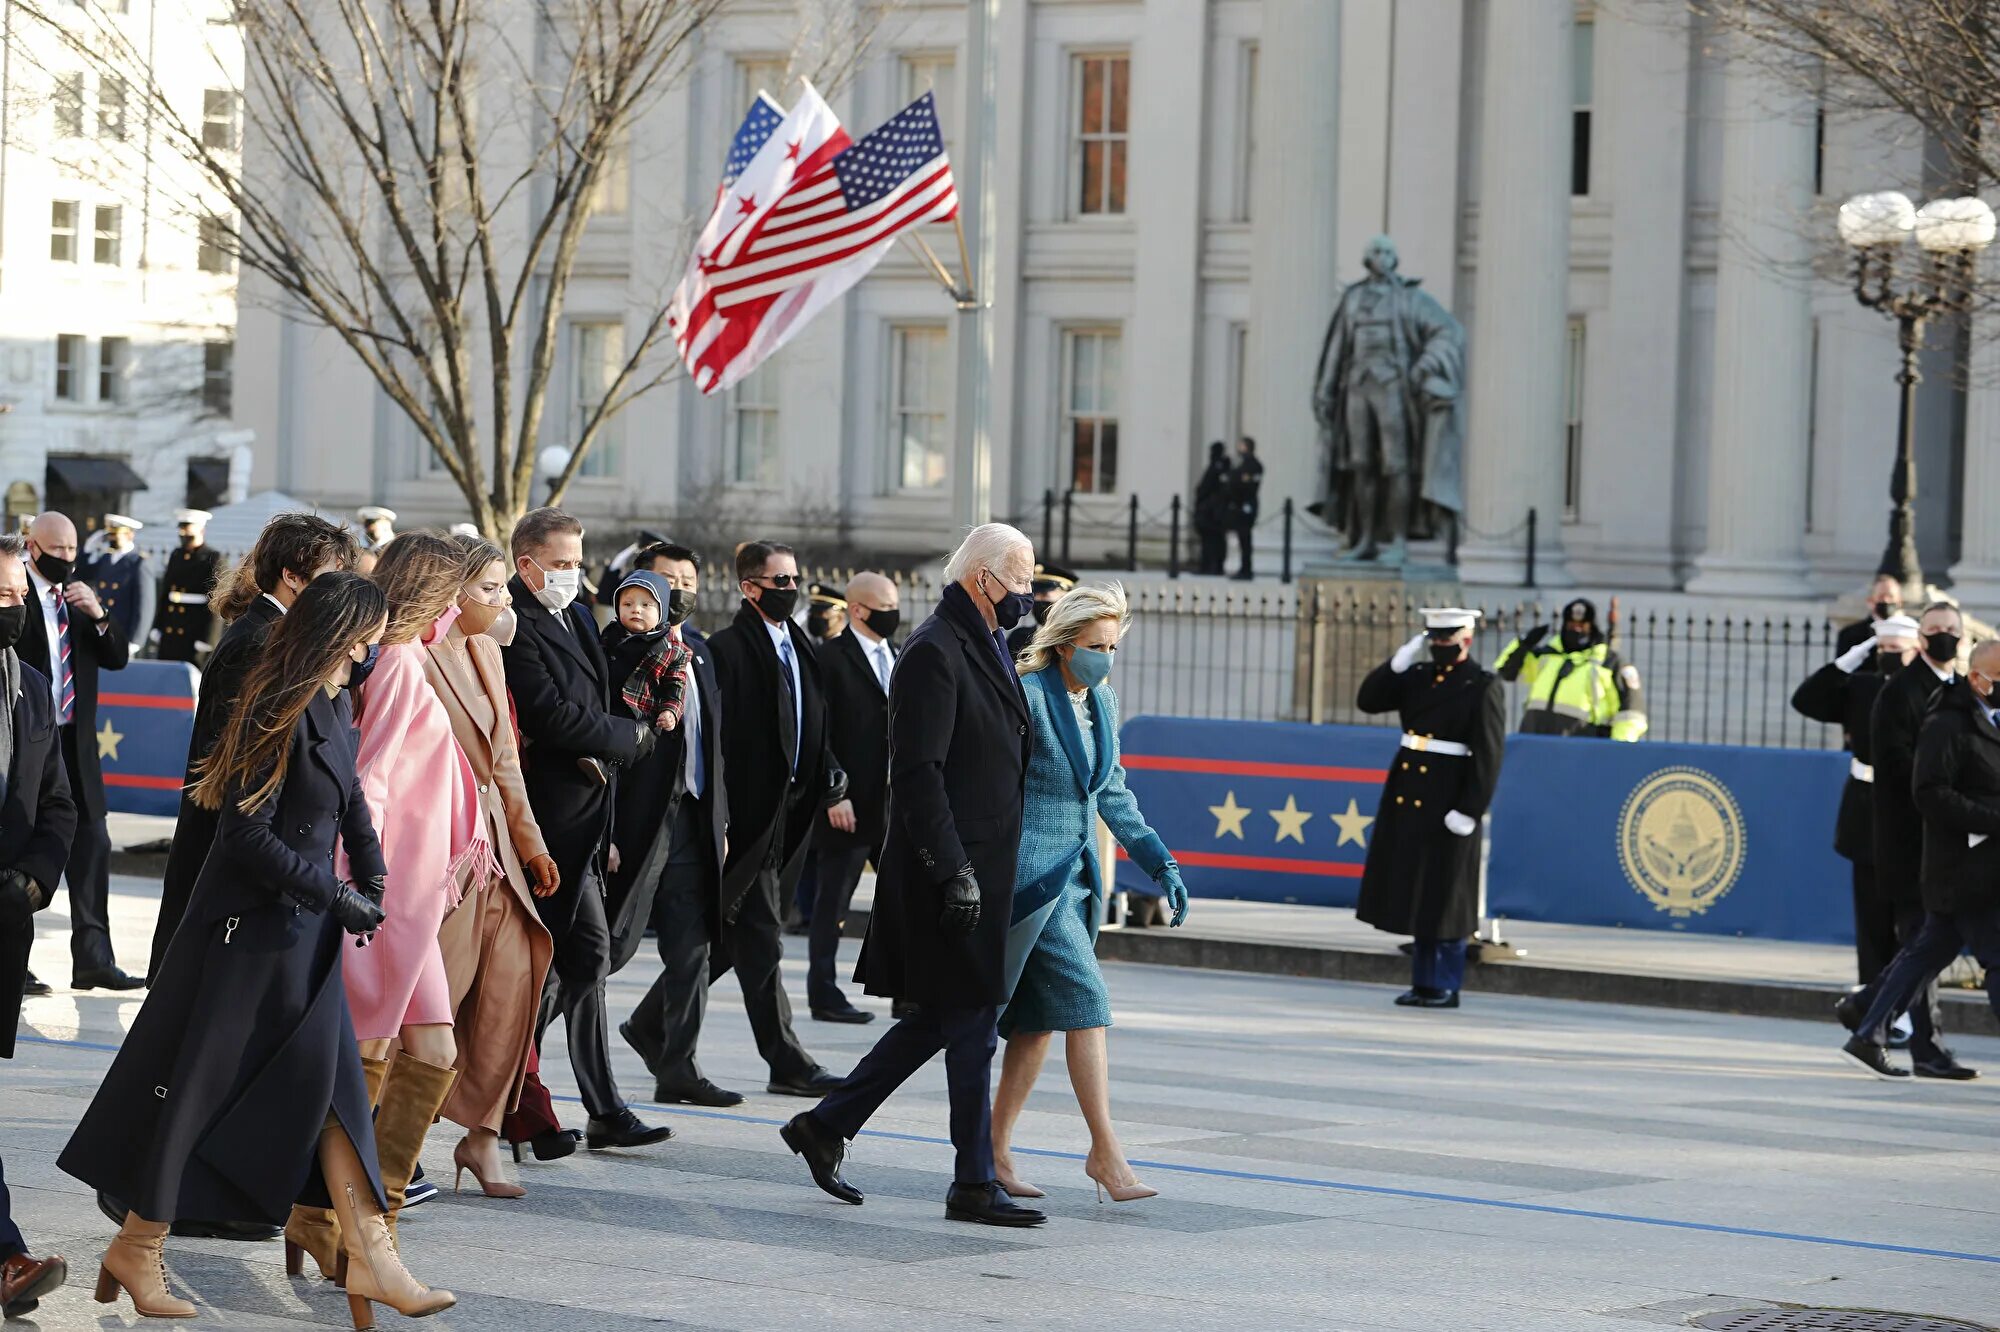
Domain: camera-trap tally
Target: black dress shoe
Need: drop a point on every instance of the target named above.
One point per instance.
(1414, 998)
(703, 1092)
(849, 1014)
(1873, 1059)
(551, 1146)
(1408, 999)
(1944, 1067)
(624, 1130)
(822, 1150)
(32, 984)
(988, 1205)
(816, 1083)
(1849, 1011)
(105, 978)
(228, 1230)
(647, 1051)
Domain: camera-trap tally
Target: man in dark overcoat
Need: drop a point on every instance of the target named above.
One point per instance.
(572, 747)
(944, 888)
(1893, 728)
(70, 639)
(185, 625)
(1956, 786)
(782, 777)
(1422, 875)
(37, 821)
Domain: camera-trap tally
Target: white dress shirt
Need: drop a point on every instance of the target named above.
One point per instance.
(788, 659)
(880, 659)
(46, 596)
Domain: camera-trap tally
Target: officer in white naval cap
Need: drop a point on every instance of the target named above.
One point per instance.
(186, 625)
(378, 526)
(124, 584)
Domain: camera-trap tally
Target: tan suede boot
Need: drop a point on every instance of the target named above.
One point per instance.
(411, 1097)
(374, 1271)
(137, 1262)
(316, 1230)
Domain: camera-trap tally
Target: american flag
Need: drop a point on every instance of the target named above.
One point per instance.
(776, 261)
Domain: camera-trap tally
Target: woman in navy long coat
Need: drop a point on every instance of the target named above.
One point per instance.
(239, 1089)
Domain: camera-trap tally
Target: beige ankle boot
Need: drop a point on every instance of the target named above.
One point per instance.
(137, 1262)
(375, 1273)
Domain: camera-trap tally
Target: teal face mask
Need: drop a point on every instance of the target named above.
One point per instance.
(1090, 666)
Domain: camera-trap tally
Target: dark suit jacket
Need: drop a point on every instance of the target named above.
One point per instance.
(1892, 731)
(772, 806)
(958, 755)
(1848, 701)
(37, 821)
(858, 718)
(91, 650)
(1957, 791)
(562, 700)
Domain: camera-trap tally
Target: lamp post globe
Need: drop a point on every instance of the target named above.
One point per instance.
(550, 462)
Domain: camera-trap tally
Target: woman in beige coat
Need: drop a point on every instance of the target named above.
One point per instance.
(496, 949)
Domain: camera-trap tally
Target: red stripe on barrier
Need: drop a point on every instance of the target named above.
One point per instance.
(145, 783)
(167, 701)
(1300, 772)
(1324, 869)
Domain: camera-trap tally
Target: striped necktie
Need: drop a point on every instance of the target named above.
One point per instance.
(65, 682)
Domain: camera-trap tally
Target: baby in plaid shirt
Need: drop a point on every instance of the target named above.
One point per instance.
(657, 686)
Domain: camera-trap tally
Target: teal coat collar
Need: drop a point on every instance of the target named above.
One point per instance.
(1093, 771)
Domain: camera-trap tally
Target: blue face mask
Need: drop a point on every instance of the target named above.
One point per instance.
(357, 672)
(1090, 666)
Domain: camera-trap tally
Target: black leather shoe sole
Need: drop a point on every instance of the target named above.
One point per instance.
(106, 980)
(1018, 1218)
(853, 1016)
(1945, 1072)
(710, 1096)
(644, 1137)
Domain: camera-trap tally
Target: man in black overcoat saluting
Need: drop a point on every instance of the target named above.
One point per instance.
(944, 890)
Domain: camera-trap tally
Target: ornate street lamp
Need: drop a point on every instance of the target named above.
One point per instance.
(550, 462)
(1949, 233)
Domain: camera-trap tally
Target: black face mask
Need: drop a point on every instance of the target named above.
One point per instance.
(885, 622)
(680, 605)
(54, 568)
(1445, 654)
(816, 622)
(1884, 609)
(359, 671)
(1888, 662)
(13, 623)
(777, 603)
(1042, 609)
(189, 541)
(1575, 640)
(1012, 608)
(1941, 647)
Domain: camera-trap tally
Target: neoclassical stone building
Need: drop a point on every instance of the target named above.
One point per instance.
(1164, 198)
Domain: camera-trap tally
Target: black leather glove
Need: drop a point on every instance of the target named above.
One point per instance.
(356, 914)
(836, 787)
(17, 898)
(648, 737)
(1533, 638)
(375, 888)
(961, 903)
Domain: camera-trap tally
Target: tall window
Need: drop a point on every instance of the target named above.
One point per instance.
(919, 405)
(935, 72)
(1101, 87)
(110, 232)
(111, 107)
(215, 254)
(611, 195)
(218, 119)
(1573, 419)
(596, 352)
(752, 428)
(114, 369)
(1583, 79)
(69, 367)
(218, 375)
(62, 230)
(755, 74)
(1091, 358)
(1246, 156)
(68, 105)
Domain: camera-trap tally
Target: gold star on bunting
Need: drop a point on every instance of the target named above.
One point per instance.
(1229, 817)
(1291, 821)
(107, 742)
(1353, 825)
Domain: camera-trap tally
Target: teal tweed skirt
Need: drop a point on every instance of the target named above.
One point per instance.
(1061, 988)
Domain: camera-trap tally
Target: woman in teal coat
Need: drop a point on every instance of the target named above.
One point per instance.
(1073, 780)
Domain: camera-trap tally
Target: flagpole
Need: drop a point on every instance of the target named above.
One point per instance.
(968, 298)
(929, 256)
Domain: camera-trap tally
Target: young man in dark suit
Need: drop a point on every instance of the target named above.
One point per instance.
(944, 891)
(781, 777)
(855, 664)
(572, 746)
(70, 639)
(37, 823)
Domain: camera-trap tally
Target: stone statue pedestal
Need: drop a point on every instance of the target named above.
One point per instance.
(1351, 618)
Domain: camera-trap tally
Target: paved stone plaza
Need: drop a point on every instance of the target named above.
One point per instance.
(1325, 1161)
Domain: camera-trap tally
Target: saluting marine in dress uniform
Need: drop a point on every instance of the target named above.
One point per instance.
(1422, 875)
(186, 625)
(1576, 685)
(123, 583)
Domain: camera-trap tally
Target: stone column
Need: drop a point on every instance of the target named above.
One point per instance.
(1514, 429)
(1761, 413)
(1975, 579)
(1294, 277)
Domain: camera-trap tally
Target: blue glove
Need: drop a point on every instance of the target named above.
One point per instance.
(1176, 891)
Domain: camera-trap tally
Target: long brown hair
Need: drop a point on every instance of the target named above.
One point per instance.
(298, 542)
(337, 611)
(419, 573)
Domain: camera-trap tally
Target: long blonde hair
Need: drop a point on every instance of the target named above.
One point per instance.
(1079, 608)
(419, 573)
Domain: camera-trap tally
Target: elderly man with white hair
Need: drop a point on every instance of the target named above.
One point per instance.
(944, 888)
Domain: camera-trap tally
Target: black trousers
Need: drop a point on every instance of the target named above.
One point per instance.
(1875, 939)
(839, 874)
(1243, 540)
(668, 1019)
(575, 989)
(11, 1242)
(88, 872)
(968, 1037)
(1921, 999)
(1214, 549)
(1941, 939)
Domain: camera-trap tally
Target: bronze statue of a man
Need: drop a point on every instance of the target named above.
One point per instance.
(1387, 400)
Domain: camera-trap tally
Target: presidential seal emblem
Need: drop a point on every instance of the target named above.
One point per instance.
(1680, 839)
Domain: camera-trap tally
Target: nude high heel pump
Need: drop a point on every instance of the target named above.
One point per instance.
(1132, 1192)
(136, 1263)
(462, 1158)
(1016, 1188)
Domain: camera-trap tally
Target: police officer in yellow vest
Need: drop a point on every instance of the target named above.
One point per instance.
(1577, 685)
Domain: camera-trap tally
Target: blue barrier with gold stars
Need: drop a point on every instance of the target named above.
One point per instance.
(145, 718)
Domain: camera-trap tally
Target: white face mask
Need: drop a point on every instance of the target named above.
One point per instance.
(502, 629)
(559, 587)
